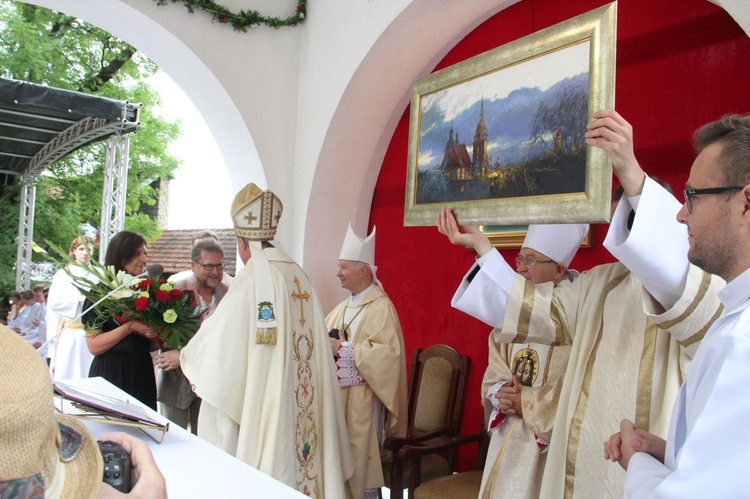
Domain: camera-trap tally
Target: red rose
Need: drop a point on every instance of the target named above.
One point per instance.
(141, 303)
(162, 281)
(145, 285)
(176, 294)
(162, 296)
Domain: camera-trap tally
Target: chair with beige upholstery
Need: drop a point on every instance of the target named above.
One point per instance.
(465, 485)
(437, 388)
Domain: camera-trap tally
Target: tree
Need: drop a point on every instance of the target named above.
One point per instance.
(42, 46)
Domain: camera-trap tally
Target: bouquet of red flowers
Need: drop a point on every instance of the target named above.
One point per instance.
(154, 302)
(167, 310)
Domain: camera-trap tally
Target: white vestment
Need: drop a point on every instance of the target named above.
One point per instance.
(69, 355)
(275, 406)
(518, 446)
(707, 445)
(628, 353)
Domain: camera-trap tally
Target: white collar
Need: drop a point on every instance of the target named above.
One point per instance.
(736, 292)
(355, 300)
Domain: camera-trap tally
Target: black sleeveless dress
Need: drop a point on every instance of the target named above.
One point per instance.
(127, 365)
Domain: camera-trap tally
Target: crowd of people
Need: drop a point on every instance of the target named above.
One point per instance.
(640, 361)
(27, 314)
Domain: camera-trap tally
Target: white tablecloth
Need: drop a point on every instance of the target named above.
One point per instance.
(192, 467)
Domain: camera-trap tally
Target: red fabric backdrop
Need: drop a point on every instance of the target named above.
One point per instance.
(680, 63)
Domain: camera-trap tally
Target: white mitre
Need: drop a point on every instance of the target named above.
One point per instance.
(558, 242)
(357, 249)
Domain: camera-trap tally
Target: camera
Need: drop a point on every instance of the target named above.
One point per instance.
(116, 466)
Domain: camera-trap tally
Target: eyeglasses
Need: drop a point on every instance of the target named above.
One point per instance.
(689, 193)
(529, 261)
(209, 267)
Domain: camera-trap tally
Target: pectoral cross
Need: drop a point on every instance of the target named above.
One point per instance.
(299, 295)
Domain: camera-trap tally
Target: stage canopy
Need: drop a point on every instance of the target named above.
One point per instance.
(41, 124)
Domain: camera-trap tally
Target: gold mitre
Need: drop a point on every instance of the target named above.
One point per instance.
(256, 213)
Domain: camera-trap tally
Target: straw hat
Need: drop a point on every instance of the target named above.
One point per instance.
(42, 454)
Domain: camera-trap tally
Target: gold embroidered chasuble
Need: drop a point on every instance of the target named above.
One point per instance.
(515, 457)
(623, 364)
(381, 360)
(275, 406)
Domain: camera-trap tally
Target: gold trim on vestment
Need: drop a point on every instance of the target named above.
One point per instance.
(699, 296)
(306, 441)
(490, 483)
(554, 315)
(524, 315)
(702, 331)
(546, 365)
(255, 234)
(646, 377)
(266, 336)
(574, 434)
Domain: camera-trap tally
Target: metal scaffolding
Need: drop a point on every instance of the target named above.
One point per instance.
(39, 125)
(115, 188)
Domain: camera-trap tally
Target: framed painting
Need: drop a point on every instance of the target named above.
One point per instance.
(499, 138)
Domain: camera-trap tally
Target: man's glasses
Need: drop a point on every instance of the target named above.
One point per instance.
(689, 193)
(209, 267)
(529, 261)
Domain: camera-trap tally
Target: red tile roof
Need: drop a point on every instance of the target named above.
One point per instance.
(172, 249)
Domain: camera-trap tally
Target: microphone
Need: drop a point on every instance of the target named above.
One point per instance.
(151, 271)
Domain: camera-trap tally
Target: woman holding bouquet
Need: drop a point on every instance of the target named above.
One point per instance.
(120, 356)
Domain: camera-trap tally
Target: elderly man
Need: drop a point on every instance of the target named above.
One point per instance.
(634, 325)
(522, 381)
(706, 451)
(177, 401)
(370, 361)
(262, 364)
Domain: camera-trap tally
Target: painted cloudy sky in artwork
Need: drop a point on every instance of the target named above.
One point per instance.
(510, 98)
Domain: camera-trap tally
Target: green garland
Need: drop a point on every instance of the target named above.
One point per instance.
(245, 18)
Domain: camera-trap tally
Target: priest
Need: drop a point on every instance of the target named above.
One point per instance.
(262, 364)
(368, 346)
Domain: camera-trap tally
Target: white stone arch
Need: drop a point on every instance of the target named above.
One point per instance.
(186, 69)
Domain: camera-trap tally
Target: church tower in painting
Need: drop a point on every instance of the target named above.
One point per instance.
(479, 154)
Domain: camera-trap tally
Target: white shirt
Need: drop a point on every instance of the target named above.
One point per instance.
(708, 445)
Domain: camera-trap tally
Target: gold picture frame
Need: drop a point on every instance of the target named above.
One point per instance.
(526, 104)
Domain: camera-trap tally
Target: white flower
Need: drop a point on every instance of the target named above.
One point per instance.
(125, 279)
(166, 287)
(122, 293)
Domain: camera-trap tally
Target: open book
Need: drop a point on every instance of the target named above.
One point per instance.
(97, 406)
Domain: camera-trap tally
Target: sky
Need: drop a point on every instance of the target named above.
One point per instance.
(541, 72)
(202, 177)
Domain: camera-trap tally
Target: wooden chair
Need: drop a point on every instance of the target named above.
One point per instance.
(465, 485)
(437, 388)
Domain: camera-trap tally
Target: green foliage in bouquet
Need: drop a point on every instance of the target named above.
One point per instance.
(152, 301)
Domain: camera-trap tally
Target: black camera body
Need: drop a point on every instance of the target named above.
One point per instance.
(116, 466)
